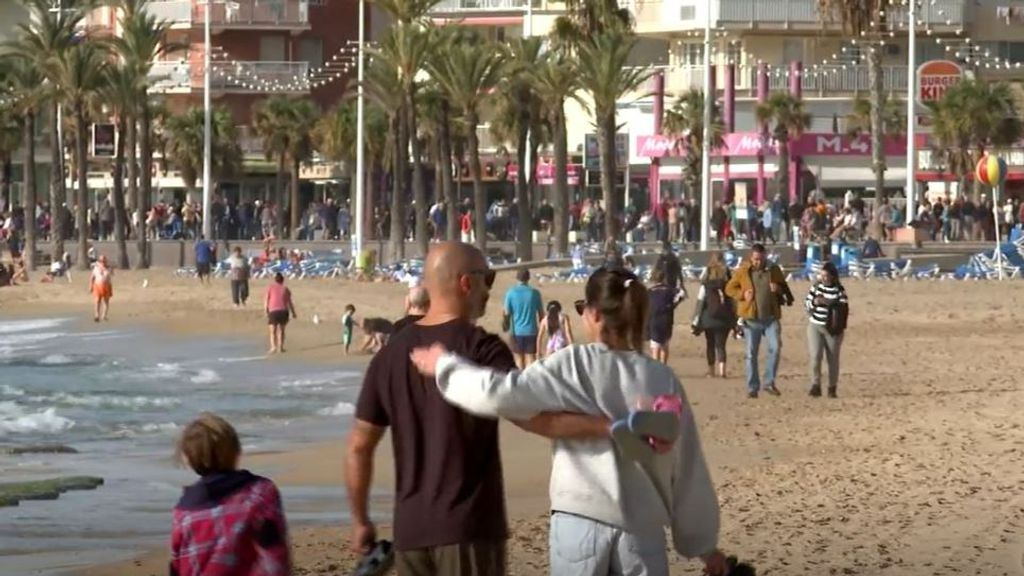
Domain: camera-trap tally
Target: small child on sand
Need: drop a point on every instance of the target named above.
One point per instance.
(348, 323)
(230, 521)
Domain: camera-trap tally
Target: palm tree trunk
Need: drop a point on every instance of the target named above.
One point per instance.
(398, 197)
(479, 198)
(877, 127)
(370, 178)
(523, 250)
(28, 169)
(5, 182)
(282, 163)
(561, 199)
(132, 160)
(438, 158)
(783, 167)
(82, 203)
(146, 177)
(57, 192)
(419, 191)
(120, 215)
(446, 173)
(296, 213)
(606, 144)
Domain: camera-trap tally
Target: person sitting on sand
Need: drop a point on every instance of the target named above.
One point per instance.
(101, 286)
(610, 499)
(449, 512)
(278, 306)
(230, 521)
(377, 331)
(20, 272)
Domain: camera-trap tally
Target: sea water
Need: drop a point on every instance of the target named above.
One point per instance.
(119, 397)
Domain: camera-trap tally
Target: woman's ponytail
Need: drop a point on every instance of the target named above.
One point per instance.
(622, 300)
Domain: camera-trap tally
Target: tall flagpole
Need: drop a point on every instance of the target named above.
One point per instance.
(207, 132)
(911, 190)
(705, 167)
(357, 240)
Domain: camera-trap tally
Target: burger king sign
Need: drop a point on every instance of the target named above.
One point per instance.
(935, 77)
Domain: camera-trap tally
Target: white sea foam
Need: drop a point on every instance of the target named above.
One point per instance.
(15, 420)
(320, 380)
(19, 341)
(29, 325)
(241, 359)
(8, 390)
(56, 360)
(206, 376)
(339, 409)
(106, 400)
(159, 427)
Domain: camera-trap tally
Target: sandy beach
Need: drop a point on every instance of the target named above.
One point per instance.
(912, 471)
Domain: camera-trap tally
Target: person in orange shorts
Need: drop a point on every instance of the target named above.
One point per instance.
(102, 287)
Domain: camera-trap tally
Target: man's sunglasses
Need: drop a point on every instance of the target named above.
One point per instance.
(488, 275)
(580, 305)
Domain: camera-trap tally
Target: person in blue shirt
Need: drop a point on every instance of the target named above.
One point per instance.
(206, 253)
(524, 311)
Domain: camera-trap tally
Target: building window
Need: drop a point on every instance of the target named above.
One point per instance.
(691, 54)
(311, 51)
(272, 49)
(734, 53)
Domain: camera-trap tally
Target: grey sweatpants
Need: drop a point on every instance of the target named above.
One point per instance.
(821, 343)
(584, 547)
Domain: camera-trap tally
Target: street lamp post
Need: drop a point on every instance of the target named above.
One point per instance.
(705, 166)
(357, 239)
(207, 132)
(911, 191)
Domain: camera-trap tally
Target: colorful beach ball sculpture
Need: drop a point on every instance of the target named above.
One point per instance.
(991, 170)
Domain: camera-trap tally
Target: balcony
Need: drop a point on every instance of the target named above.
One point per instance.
(669, 16)
(821, 81)
(182, 77)
(238, 14)
(448, 7)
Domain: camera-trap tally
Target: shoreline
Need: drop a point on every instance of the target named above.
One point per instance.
(895, 478)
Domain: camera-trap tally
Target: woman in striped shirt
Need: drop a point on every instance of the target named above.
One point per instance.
(824, 294)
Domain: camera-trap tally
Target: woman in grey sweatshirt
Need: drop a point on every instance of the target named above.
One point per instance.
(609, 511)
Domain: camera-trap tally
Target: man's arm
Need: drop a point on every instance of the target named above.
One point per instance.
(566, 426)
(362, 442)
(734, 289)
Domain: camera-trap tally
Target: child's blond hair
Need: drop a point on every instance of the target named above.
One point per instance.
(209, 444)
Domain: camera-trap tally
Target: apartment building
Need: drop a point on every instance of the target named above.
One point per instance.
(258, 48)
(788, 46)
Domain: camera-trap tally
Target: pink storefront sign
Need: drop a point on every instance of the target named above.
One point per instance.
(754, 144)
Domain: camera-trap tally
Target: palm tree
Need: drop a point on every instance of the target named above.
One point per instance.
(584, 19)
(81, 72)
(864, 19)
(184, 134)
(10, 140)
(519, 97)
(858, 121)
(972, 118)
(121, 93)
(143, 40)
(406, 48)
(555, 82)
(286, 125)
(605, 74)
(685, 120)
(787, 119)
(468, 75)
(382, 87)
(42, 39)
(25, 83)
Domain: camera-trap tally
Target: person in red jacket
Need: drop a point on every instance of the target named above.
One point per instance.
(230, 521)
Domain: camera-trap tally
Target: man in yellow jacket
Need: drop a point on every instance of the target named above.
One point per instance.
(758, 288)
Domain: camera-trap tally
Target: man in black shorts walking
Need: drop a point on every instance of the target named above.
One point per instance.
(524, 311)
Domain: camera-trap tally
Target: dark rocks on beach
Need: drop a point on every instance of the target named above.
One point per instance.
(37, 449)
(11, 493)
